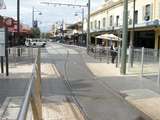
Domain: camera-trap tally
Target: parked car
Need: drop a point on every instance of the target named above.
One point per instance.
(35, 42)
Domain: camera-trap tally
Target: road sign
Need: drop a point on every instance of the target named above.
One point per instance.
(35, 24)
(2, 41)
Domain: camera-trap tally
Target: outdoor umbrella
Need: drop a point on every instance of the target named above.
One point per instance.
(109, 37)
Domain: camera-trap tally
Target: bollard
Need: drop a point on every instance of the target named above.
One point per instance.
(119, 55)
(95, 53)
(158, 78)
(100, 54)
(117, 61)
(2, 67)
(129, 57)
(142, 62)
(108, 51)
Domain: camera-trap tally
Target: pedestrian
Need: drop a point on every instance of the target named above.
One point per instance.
(113, 52)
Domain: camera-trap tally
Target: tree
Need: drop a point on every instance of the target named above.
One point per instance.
(43, 35)
(49, 35)
(35, 32)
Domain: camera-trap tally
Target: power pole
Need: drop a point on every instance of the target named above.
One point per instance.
(18, 24)
(33, 17)
(18, 18)
(88, 24)
(82, 25)
(82, 20)
(125, 37)
(62, 30)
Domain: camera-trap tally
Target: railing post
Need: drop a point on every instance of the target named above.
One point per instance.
(108, 55)
(158, 78)
(95, 52)
(142, 62)
(36, 98)
(129, 57)
(119, 55)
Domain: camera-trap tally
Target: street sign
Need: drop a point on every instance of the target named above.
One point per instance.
(35, 24)
(2, 41)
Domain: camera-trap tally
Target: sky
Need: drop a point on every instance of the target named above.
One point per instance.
(50, 13)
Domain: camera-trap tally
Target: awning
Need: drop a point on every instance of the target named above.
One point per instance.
(23, 29)
(109, 37)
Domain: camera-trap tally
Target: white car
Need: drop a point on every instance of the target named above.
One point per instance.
(35, 42)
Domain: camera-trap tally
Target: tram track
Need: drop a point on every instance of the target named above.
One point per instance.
(64, 77)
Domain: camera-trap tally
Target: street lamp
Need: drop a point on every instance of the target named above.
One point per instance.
(33, 11)
(88, 24)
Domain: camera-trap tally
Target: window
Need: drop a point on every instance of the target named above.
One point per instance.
(129, 14)
(104, 22)
(136, 17)
(111, 20)
(99, 24)
(91, 25)
(117, 20)
(147, 12)
(95, 24)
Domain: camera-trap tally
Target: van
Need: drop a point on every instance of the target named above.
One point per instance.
(34, 42)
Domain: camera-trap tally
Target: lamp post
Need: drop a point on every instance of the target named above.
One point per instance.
(18, 18)
(88, 25)
(33, 11)
(18, 25)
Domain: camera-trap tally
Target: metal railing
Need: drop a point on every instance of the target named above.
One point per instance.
(143, 60)
(33, 94)
(104, 54)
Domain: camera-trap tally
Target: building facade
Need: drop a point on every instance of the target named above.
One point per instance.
(108, 18)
